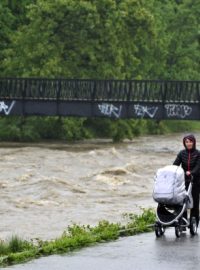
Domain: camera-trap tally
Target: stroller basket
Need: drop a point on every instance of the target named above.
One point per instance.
(167, 214)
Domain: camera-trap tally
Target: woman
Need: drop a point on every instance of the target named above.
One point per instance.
(189, 159)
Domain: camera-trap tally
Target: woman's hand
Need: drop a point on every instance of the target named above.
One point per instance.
(188, 173)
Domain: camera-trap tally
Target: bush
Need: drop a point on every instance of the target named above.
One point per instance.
(35, 128)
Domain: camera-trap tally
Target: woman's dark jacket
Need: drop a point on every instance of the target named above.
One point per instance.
(189, 160)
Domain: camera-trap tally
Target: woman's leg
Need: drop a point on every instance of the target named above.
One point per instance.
(195, 210)
(185, 213)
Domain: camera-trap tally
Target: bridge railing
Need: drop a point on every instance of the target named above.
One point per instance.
(100, 90)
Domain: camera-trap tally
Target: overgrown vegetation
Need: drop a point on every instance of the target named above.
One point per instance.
(126, 39)
(33, 129)
(17, 250)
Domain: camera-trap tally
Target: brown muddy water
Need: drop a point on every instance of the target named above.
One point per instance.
(46, 187)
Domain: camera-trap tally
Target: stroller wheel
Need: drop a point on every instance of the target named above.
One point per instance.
(177, 231)
(159, 230)
(193, 226)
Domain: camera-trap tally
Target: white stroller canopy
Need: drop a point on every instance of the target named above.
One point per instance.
(169, 185)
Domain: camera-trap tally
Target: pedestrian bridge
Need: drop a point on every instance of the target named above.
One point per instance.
(155, 99)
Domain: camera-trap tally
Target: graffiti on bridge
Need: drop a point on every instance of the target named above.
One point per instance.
(172, 110)
(5, 108)
(178, 110)
(153, 111)
(110, 110)
(141, 110)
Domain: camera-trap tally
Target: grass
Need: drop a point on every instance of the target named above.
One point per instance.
(74, 237)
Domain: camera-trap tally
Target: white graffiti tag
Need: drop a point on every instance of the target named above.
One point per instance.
(142, 110)
(5, 108)
(178, 110)
(110, 109)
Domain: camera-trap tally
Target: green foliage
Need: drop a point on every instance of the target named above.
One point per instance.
(139, 223)
(181, 126)
(106, 231)
(73, 129)
(42, 128)
(182, 56)
(9, 129)
(75, 236)
(14, 245)
(147, 217)
(122, 130)
(20, 257)
(6, 23)
(127, 39)
(4, 248)
(33, 129)
(91, 39)
(118, 130)
(17, 245)
(155, 127)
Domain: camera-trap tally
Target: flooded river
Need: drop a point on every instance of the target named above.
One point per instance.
(45, 187)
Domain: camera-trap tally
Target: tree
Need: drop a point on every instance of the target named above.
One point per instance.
(121, 39)
(12, 15)
(6, 22)
(180, 32)
(81, 39)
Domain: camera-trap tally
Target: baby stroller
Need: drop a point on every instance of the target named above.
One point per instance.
(173, 200)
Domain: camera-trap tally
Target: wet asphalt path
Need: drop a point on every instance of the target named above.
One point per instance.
(140, 252)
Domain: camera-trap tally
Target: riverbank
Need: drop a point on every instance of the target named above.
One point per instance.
(74, 237)
(69, 129)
